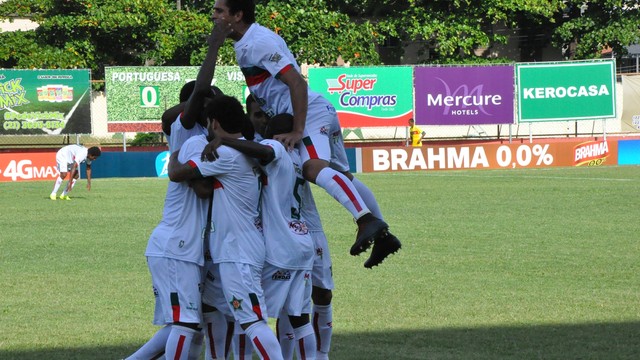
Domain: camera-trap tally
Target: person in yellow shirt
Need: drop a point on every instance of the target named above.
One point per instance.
(416, 135)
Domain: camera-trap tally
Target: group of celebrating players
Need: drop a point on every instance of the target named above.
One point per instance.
(240, 239)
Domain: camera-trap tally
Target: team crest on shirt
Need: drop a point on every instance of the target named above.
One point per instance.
(298, 227)
(236, 304)
(281, 275)
(275, 57)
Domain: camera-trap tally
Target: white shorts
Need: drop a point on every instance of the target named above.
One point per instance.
(176, 286)
(322, 137)
(322, 274)
(212, 294)
(242, 289)
(288, 290)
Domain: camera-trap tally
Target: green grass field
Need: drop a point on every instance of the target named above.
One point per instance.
(510, 264)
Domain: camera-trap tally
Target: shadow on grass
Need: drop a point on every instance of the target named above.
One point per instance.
(587, 341)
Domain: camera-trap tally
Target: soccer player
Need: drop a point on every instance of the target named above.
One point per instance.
(274, 79)
(236, 243)
(416, 135)
(286, 277)
(322, 277)
(68, 160)
(179, 123)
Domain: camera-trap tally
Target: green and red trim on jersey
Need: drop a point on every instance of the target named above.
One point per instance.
(175, 306)
(256, 75)
(193, 165)
(284, 70)
(308, 144)
(255, 305)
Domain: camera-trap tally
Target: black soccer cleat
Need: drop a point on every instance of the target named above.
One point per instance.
(370, 228)
(383, 247)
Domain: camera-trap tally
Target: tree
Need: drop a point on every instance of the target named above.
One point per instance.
(94, 34)
(451, 30)
(589, 27)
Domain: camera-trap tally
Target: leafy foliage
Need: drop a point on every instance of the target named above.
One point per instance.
(97, 33)
(589, 27)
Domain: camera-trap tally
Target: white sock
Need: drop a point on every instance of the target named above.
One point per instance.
(368, 197)
(343, 190)
(179, 342)
(242, 348)
(264, 341)
(305, 342)
(215, 330)
(323, 326)
(154, 347)
(56, 187)
(286, 336)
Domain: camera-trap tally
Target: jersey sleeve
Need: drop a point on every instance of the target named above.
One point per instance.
(278, 149)
(271, 55)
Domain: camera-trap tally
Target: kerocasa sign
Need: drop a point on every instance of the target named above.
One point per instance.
(566, 91)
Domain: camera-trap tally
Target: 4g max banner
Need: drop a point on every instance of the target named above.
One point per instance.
(583, 90)
(137, 96)
(41, 102)
(367, 96)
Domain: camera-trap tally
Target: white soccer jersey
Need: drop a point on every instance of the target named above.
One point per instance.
(289, 245)
(173, 198)
(186, 242)
(72, 153)
(263, 56)
(235, 235)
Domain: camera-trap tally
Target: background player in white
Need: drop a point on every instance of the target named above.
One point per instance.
(274, 79)
(236, 243)
(68, 160)
(178, 123)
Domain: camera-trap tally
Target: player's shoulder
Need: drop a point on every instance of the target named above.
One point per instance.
(264, 37)
(195, 141)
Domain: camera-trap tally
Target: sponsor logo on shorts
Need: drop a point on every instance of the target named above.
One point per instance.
(192, 306)
(319, 252)
(324, 130)
(181, 244)
(281, 275)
